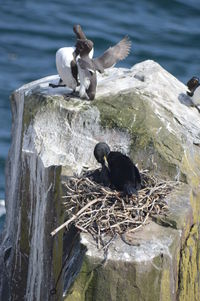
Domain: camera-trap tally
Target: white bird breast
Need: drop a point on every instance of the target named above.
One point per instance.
(64, 56)
(196, 96)
(84, 83)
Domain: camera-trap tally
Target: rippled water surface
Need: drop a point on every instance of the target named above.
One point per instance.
(31, 32)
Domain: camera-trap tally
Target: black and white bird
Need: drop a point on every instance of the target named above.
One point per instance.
(194, 90)
(66, 62)
(87, 67)
(118, 169)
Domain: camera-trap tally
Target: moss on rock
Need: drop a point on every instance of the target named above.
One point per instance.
(189, 288)
(153, 146)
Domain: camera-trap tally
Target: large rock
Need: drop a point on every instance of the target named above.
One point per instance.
(142, 111)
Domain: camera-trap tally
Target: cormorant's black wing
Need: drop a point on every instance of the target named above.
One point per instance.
(113, 54)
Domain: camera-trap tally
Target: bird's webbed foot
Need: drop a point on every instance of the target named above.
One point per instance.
(74, 93)
(60, 84)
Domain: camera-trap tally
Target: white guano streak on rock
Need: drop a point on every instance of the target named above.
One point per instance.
(148, 79)
(119, 251)
(14, 158)
(160, 89)
(65, 143)
(37, 226)
(70, 143)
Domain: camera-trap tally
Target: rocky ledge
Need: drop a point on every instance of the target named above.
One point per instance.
(142, 111)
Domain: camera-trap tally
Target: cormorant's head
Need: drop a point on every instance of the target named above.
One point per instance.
(192, 84)
(101, 152)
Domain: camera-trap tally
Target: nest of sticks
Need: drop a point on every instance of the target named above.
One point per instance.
(103, 212)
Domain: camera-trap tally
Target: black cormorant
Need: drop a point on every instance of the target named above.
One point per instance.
(118, 168)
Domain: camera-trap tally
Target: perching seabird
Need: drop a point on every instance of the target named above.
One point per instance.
(87, 67)
(66, 62)
(194, 90)
(123, 174)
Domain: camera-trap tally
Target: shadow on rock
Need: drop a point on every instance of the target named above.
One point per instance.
(185, 100)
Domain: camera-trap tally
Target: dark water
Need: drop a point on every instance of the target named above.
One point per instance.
(32, 31)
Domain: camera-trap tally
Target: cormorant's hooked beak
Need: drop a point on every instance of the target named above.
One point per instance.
(106, 162)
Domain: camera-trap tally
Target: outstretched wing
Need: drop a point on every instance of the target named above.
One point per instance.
(113, 54)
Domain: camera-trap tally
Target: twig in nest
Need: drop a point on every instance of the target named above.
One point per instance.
(73, 217)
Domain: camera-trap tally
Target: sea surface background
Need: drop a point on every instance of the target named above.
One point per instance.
(31, 32)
